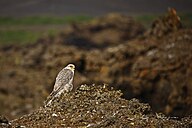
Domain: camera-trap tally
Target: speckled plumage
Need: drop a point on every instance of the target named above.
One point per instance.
(63, 82)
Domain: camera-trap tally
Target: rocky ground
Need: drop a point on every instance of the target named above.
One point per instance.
(153, 65)
(96, 106)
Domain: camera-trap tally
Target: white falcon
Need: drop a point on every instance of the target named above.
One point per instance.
(63, 82)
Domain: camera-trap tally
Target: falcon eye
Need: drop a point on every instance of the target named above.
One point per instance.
(71, 66)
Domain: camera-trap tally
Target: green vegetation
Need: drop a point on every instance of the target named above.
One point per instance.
(186, 19)
(146, 19)
(26, 30)
(22, 37)
(43, 20)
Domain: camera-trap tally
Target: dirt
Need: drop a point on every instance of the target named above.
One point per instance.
(96, 106)
(153, 65)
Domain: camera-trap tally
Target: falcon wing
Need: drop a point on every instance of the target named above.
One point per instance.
(63, 78)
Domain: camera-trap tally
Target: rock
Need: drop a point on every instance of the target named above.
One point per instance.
(166, 24)
(4, 122)
(154, 70)
(97, 106)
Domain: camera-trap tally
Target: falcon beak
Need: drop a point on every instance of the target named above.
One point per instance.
(71, 66)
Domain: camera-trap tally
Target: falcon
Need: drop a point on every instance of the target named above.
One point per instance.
(63, 83)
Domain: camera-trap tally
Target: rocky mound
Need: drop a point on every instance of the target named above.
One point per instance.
(155, 69)
(112, 29)
(95, 107)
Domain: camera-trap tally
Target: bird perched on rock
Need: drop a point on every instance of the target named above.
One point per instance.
(63, 82)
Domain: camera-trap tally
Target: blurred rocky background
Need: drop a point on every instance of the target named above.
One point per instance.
(148, 57)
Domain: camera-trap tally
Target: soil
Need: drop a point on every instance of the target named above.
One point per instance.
(153, 65)
(96, 106)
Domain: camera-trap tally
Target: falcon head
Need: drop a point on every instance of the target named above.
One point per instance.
(70, 67)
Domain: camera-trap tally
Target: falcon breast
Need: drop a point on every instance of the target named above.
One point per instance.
(63, 83)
